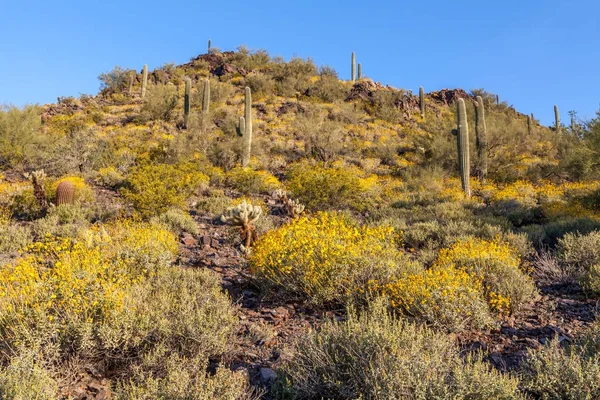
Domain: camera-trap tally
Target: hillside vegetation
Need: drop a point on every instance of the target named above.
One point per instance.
(243, 227)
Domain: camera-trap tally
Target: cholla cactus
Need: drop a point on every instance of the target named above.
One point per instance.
(243, 215)
(37, 179)
(293, 208)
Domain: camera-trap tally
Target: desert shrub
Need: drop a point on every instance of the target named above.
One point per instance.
(153, 189)
(65, 221)
(160, 102)
(246, 180)
(113, 297)
(186, 379)
(497, 265)
(335, 187)
(260, 84)
(328, 89)
(580, 255)
(26, 378)
(114, 80)
(20, 138)
(109, 177)
(446, 298)
(518, 202)
(375, 356)
(328, 258)
(14, 238)
(178, 221)
(554, 371)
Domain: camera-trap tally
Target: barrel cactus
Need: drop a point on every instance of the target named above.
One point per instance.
(247, 129)
(462, 135)
(481, 136)
(65, 193)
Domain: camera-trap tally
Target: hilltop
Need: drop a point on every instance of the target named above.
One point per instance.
(241, 226)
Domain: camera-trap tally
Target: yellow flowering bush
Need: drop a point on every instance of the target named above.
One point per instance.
(246, 180)
(328, 258)
(153, 189)
(496, 265)
(449, 298)
(83, 193)
(333, 187)
(85, 279)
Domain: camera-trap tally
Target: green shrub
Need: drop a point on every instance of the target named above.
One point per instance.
(153, 189)
(556, 372)
(334, 187)
(580, 255)
(20, 139)
(27, 378)
(186, 379)
(178, 221)
(160, 102)
(115, 80)
(375, 356)
(248, 181)
(66, 220)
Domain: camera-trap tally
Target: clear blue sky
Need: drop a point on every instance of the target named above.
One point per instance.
(533, 53)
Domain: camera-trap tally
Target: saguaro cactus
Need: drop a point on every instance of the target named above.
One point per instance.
(144, 80)
(530, 124)
(422, 101)
(65, 193)
(132, 75)
(556, 119)
(462, 139)
(209, 46)
(206, 97)
(497, 99)
(359, 71)
(241, 128)
(187, 102)
(247, 129)
(353, 67)
(481, 136)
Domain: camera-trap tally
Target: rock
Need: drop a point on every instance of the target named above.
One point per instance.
(448, 96)
(267, 375)
(188, 240)
(206, 240)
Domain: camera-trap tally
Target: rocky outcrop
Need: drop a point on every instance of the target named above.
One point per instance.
(448, 96)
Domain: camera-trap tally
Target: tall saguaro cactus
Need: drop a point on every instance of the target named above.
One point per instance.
(353, 67)
(422, 101)
(144, 80)
(359, 71)
(206, 97)
(481, 136)
(247, 128)
(530, 124)
(556, 119)
(187, 102)
(462, 139)
(209, 46)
